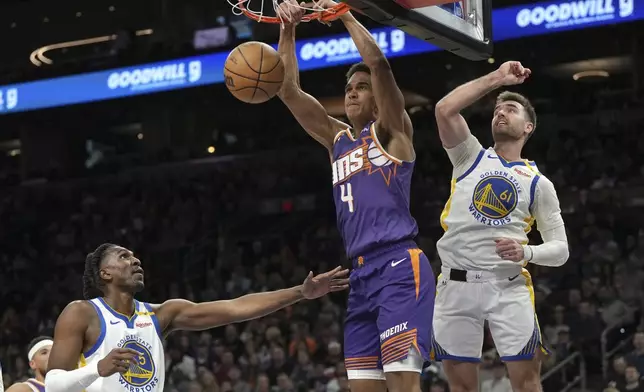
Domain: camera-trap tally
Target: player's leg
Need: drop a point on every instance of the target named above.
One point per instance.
(361, 346)
(515, 330)
(405, 307)
(458, 329)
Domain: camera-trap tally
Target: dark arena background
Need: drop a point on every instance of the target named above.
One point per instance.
(220, 198)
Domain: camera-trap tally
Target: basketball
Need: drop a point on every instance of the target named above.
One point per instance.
(254, 72)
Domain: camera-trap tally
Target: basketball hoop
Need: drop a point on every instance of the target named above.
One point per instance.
(316, 12)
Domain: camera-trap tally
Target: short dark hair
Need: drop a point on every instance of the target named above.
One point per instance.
(525, 102)
(358, 67)
(91, 278)
(37, 340)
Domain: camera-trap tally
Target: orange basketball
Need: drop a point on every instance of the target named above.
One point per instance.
(254, 72)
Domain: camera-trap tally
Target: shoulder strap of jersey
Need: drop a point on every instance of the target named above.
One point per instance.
(152, 314)
(35, 385)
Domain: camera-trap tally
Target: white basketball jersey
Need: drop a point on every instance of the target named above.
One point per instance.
(492, 199)
(142, 333)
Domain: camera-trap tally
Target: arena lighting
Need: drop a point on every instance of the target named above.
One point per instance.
(38, 57)
(598, 73)
(211, 150)
(521, 21)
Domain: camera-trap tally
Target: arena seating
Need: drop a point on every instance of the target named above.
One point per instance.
(218, 229)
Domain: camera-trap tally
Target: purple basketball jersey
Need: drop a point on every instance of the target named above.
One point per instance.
(371, 192)
(36, 385)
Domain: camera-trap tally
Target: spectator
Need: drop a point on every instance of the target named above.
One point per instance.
(619, 368)
(499, 382)
(636, 357)
(632, 382)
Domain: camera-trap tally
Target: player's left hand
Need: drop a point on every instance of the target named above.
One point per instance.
(319, 285)
(509, 249)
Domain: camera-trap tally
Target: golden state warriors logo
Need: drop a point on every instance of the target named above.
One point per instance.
(141, 376)
(495, 197)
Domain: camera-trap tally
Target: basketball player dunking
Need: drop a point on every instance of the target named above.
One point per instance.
(119, 340)
(38, 356)
(388, 324)
(496, 196)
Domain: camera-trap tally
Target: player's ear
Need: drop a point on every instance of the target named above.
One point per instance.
(106, 276)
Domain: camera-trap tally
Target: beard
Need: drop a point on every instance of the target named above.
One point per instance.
(503, 133)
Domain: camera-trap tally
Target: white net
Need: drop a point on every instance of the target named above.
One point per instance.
(244, 7)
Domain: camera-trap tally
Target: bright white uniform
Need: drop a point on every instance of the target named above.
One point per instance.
(141, 333)
(490, 198)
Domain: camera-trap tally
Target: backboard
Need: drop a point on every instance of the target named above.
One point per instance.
(461, 27)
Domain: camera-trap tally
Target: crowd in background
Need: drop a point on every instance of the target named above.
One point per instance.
(216, 230)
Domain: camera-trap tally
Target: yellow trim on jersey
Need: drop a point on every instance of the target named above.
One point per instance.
(530, 286)
(448, 205)
(529, 166)
(339, 134)
(530, 221)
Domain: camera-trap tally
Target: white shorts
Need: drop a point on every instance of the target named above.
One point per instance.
(506, 301)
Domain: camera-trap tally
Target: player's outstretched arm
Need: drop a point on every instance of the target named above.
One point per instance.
(452, 128)
(185, 315)
(69, 337)
(69, 334)
(307, 110)
(390, 101)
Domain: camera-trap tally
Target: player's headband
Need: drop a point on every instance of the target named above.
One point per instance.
(38, 346)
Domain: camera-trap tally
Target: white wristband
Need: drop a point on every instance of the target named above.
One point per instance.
(58, 380)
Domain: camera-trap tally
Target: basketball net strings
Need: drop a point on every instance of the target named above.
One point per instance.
(237, 9)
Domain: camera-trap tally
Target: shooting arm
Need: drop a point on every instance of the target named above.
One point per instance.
(307, 110)
(554, 250)
(63, 375)
(452, 128)
(180, 314)
(389, 99)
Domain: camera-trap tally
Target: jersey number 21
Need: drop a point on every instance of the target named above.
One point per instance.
(346, 195)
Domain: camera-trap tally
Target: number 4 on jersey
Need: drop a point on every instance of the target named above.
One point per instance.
(346, 195)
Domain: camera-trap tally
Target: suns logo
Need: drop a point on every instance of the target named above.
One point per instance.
(141, 375)
(494, 198)
(366, 156)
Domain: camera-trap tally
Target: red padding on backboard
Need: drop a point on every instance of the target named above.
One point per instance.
(411, 4)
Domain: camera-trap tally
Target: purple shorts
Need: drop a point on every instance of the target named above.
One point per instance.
(390, 308)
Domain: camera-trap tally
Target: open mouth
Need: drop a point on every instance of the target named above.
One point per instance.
(138, 271)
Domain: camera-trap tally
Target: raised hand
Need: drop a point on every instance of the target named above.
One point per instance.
(513, 73)
(509, 249)
(319, 285)
(290, 12)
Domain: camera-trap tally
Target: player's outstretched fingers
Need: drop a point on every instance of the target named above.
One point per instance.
(341, 274)
(341, 287)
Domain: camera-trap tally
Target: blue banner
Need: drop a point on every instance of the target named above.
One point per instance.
(509, 23)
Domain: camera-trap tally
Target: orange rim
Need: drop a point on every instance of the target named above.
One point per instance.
(327, 15)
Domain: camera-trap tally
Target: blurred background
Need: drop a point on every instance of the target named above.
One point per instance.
(220, 198)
